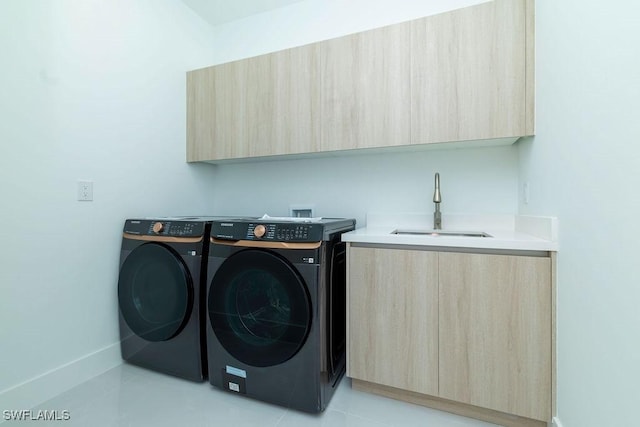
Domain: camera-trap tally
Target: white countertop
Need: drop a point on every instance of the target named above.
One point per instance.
(508, 232)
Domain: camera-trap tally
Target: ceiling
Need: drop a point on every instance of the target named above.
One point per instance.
(218, 12)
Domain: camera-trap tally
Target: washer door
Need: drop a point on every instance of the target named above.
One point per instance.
(259, 308)
(155, 292)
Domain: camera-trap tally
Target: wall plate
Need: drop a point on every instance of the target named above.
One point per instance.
(85, 191)
(301, 211)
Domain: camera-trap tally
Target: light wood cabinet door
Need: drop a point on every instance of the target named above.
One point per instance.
(262, 106)
(215, 99)
(290, 120)
(366, 89)
(495, 332)
(472, 73)
(393, 318)
(201, 113)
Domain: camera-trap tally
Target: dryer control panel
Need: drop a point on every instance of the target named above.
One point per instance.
(160, 227)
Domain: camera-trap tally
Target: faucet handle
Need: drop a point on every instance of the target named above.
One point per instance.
(437, 198)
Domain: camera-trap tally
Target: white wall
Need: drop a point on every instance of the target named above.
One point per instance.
(472, 180)
(584, 167)
(89, 90)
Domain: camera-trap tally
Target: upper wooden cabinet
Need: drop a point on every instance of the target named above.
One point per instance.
(465, 75)
(472, 73)
(365, 89)
(262, 106)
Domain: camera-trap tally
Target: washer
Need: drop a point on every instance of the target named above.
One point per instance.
(160, 289)
(276, 309)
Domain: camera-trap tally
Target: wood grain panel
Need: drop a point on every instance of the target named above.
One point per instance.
(261, 106)
(495, 332)
(366, 89)
(282, 109)
(216, 98)
(200, 113)
(393, 318)
(468, 74)
(530, 58)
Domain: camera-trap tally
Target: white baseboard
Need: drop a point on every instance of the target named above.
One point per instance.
(556, 422)
(56, 381)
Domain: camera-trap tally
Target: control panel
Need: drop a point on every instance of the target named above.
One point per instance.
(171, 228)
(279, 232)
(268, 231)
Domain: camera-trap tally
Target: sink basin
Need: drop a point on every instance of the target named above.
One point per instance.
(441, 233)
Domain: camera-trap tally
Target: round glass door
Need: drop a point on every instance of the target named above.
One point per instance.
(259, 308)
(155, 292)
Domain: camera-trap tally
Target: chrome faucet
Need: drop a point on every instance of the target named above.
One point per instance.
(437, 199)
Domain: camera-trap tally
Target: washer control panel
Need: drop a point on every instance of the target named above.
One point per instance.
(280, 232)
(267, 231)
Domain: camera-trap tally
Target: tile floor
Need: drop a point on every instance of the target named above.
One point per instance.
(132, 396)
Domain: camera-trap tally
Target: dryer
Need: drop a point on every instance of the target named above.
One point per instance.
(276, 323)
(160, 289)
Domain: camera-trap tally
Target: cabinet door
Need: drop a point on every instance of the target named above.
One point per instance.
(495, 332)
(366, 89)
(203, 116)
(393, 318)
(287, 111)
(217, 126)
(261, 106)
(470, 71)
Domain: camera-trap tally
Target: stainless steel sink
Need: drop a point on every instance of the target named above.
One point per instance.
(441, 233)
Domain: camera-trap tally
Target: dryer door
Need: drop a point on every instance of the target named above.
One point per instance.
(155, 292)
(259, 308)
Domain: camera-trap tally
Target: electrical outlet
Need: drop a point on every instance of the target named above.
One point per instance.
(85, 191)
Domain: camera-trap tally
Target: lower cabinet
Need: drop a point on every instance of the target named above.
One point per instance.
(495, 332)
(464, 328)
(393, 321)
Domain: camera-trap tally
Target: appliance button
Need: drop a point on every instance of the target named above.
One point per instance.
(259, 231)
(158, 227)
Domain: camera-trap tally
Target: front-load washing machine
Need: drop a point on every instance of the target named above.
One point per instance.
(276, 309)
(160, 290)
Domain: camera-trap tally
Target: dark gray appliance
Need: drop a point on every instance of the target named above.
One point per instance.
(277, 310)
(160, 292)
